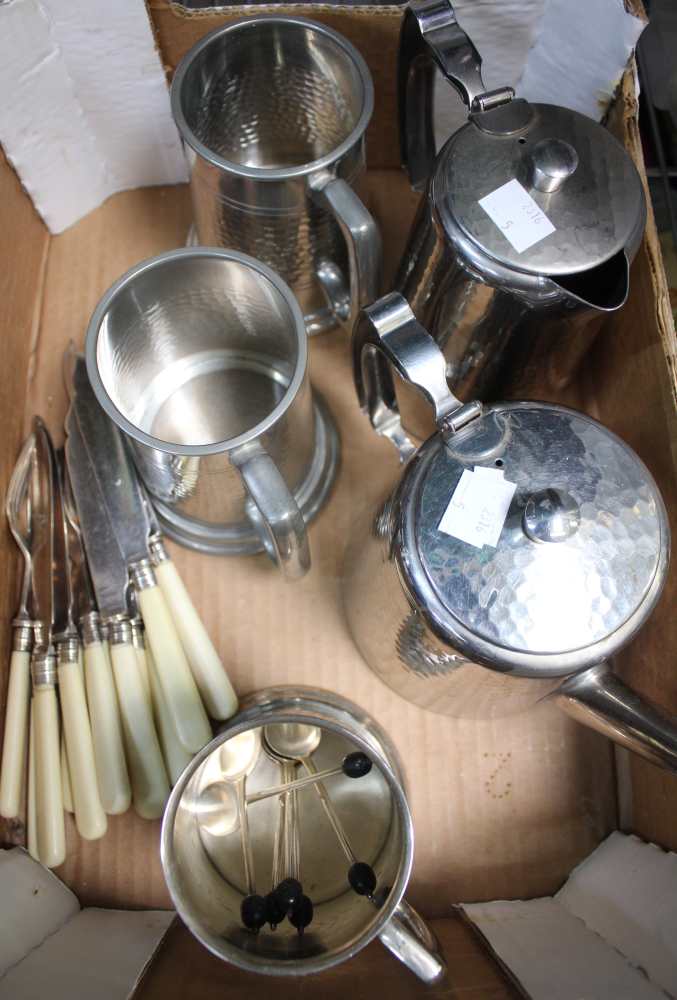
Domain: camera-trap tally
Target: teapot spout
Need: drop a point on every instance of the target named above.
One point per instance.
(599, 699)
(604, 288)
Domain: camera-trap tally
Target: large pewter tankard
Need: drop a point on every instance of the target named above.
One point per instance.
(531, 217)
(524, 545)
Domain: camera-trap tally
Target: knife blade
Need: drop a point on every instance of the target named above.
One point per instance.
(51, 831)
(124, 501)
(108, 568)
(42, 541)
(107, 565)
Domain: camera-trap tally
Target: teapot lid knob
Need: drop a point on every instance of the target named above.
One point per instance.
(551, 515)
(550, 163)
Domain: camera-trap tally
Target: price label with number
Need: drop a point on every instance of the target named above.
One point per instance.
(478, 507)
(520, 219)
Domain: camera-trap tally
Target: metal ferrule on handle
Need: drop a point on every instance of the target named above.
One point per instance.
(388, 334)
(432, 37)
(90, 628)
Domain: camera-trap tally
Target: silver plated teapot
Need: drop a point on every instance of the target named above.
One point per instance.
(524, 545)
(531, 217)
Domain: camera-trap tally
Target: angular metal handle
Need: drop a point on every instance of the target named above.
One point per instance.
(273, 511)
(362, 237)
(410, 940)
(599, 699)
(431, 36)
(387, 333)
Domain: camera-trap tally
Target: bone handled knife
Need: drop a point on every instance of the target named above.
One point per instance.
(108, 568)
(109, 755)
(90, 818)
(51, 831)
(124, 503)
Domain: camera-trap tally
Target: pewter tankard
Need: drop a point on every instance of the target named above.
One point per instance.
(524, 545)
(273, 112)
(531, 217)
(200, 357)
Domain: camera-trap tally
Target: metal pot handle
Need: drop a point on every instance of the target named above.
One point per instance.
(599, 699)
(431, 36)
(387, 333)
(410, 940)
(363, 244)
(273, 511)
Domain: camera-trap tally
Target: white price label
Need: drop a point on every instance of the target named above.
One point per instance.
(517, 215)
(478, 507)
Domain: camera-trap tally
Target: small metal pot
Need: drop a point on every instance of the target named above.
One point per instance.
(206, 878)
(531, 216)
(479, 598)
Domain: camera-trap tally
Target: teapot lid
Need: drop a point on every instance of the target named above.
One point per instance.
(537, 541)
(541, 189)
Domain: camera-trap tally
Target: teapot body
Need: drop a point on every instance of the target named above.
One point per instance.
(504, 334)
(396, 639)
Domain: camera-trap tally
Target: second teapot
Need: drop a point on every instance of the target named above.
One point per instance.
(524, 238)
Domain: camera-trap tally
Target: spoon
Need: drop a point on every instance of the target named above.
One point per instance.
(290, 743)
(236, 759)
(297, 742)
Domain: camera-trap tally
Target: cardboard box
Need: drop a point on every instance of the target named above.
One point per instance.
(502, 809)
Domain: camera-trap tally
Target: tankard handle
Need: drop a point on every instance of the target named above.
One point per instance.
(387, 333)
(599, 699)
(408, 938)
(431, 36)
(273, 511)
(362, 238)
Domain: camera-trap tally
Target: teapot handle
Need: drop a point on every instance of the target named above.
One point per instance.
(387, 333)
(431, 36)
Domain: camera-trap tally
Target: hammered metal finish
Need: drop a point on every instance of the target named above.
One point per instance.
(548, 597)
(262, 105)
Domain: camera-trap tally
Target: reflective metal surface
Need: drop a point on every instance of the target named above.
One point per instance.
(511, 321)
(205, 874)
(200, 357)
(273, 112)
(42, 530)
(580, 562)
(18, 511)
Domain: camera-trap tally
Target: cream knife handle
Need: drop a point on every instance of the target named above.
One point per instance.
(15, 739)
(208, 670)
(31, 817)
(90, 818)
(150, 788)
(176, 756)
(66, 790)
(142, 664)
(48, 801)
(104, 714)
(181, 694)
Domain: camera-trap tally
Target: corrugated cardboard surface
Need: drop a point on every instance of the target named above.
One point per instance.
(502, 808)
